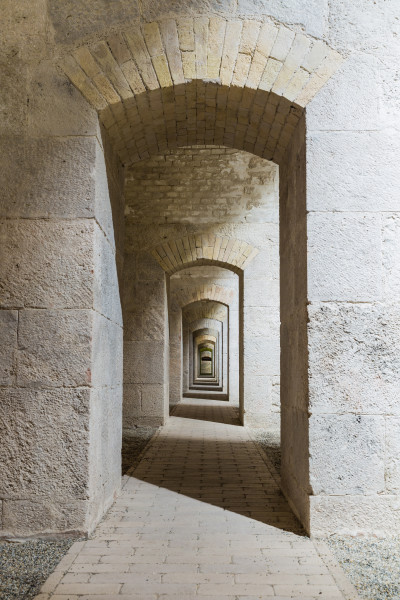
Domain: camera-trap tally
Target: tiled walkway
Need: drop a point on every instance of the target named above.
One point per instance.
(200, 517)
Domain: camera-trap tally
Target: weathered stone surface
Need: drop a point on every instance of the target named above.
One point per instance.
(363, 25)
(392, 455)
(132, 404)
(29, 517)
(51, 96)
(347, 454)
(46, 457)
(109, 200)
(258, 395)
(58, 178)
(293, 334)
(391, 256)
(143, 296)
(344, 248)
(147, 268)
(358, 86)
(253, 316)
(61, 274)
(74, 20)
(355, 515)
(144, 305)
(14, 94)
(151, 396)
(312, 15)
(261, 292)
(145, 404)
(106, 348)
(105, 448)
(153, 9)
(143, 362)
(8, 336)
(295, 460)
(23, 28)
(147, 324)
(261, 356)
(54, 348)
(106, 298)
(363, 338)
(343, 175)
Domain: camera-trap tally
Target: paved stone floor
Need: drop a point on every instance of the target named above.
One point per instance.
(201, 516)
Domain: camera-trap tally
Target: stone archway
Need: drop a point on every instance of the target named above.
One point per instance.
(182, 298)
(254, 102)
(152, 85)
(152, 90)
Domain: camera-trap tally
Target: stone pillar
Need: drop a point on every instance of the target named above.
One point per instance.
(59, 301)
(146, 366)
(293, 335)
(175, 354)
(185, 357)
(261, 345)
(353, 228)
(231, 355)
(105, 431)
(340, 215)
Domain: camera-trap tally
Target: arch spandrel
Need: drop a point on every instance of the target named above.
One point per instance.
(174, 82)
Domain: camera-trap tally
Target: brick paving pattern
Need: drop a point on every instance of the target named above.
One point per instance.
(201, 516)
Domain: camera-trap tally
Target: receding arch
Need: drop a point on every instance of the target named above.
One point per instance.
(205, 309)
(265, 77)
(204, 249)
(215, 292)
(168, 83)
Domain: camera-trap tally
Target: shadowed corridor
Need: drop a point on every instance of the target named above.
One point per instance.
(200, 516)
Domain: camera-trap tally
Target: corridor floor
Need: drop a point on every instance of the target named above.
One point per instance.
(201, 516)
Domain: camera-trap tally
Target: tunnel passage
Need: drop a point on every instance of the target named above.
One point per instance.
(160, 101)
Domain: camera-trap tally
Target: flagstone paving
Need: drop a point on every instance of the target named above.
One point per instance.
(200, 517)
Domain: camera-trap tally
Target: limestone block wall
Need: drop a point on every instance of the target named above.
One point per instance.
(146, 351)
(218, 191)
(105, 430)
(353, 273)
(61, 400)
(176, 344)
(61, 234)
(293, 338)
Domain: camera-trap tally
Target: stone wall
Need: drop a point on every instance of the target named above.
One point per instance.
(146, 350)
(61, 239)
(201, 185)
(353, 273)
(293, 338)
